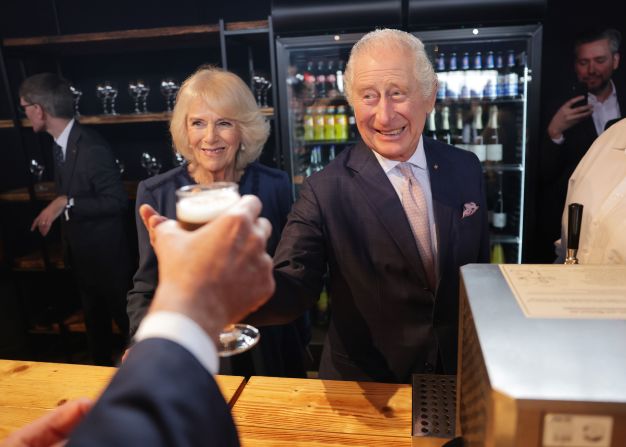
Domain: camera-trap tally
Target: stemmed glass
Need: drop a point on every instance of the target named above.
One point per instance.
(150, 164)
(257, 85)
(178, 159)
(169, 88)
(134, 92)
(144, 90)
(76, 94)
(195, 206)
(102, 94)
(111, 90)
(37, 169)
(266, 86)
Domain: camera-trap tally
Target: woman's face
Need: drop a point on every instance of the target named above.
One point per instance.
(213, 139)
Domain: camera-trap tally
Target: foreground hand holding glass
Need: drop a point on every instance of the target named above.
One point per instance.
(197, 205)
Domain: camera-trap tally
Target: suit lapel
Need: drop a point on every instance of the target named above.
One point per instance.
(70, 157)
(383, 200)
(438, 170)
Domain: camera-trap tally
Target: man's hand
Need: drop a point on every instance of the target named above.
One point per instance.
(567, 116)
(51, 429)
(48, 215)
(216, 274)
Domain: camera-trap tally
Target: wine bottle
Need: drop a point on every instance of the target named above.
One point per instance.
(478, 144)
(499, 215)
(445, 134)
(492, 137)
(457, 137)
(339, 76)
(431, 129)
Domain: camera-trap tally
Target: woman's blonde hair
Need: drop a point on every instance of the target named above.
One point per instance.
(227, 95)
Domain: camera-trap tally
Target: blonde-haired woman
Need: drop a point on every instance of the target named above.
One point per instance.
(217, 127)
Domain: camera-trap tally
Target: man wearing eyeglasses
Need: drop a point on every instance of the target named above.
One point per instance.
(91, 204)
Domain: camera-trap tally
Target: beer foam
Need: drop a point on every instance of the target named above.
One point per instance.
(205, 206)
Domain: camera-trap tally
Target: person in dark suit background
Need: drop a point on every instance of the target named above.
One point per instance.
(164, 392)
(573, 129)
(218, 128)
(91, 203)
(393, 281)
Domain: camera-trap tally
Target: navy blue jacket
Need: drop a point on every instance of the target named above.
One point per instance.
(385, 322)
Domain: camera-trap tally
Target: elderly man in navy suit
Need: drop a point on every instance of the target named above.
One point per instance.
(391, 220)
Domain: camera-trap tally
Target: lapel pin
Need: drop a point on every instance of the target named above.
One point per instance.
(436, 166)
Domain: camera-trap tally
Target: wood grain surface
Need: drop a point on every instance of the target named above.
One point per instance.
(280, 411)
(29, 389)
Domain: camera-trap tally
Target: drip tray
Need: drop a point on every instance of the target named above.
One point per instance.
(434, 405)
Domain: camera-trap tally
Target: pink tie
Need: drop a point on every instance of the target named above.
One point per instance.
(416, 209)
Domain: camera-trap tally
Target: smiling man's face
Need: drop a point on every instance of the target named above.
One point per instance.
(389, 107)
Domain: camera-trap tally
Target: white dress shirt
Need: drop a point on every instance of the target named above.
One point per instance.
(65, 135)
(599, 184)
(603, 112)
(183, 330)
(419, 167)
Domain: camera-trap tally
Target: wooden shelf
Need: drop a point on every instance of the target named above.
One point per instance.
(44, 191)
(171, 37)
(33, 262)
(173, 33)
(124, 118)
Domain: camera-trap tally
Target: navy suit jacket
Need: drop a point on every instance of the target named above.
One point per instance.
(161, 396)
(385, 322)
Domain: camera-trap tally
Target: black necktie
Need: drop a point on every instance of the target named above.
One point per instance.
(58, 154)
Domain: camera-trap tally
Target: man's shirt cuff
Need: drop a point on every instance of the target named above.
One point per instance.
(183, 330)
(559, 140)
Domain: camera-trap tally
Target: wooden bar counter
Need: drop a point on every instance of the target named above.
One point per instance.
(268, 411)
(309, 412)
(29, 389)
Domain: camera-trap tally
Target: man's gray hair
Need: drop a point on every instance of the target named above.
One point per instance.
(51, 92)
(394, 40)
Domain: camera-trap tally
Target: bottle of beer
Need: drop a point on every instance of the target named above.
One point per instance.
(499, 215)
(341, 124)
(512, 78)
(445, 134)
(320, 79)
(492, 137)
(465, 81)
(329, 123)
(339, 76)
(318, 123)
(353, 131)
(497, 254)
(309, 80)
(308, 124)
(331, 79)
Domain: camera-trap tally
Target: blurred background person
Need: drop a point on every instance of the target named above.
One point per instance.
(91, 203)
(218, 128)
(575, 126)
(599, 184)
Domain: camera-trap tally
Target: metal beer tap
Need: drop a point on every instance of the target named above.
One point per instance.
(574, 223)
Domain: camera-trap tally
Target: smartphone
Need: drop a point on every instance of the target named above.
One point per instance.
(578, 89)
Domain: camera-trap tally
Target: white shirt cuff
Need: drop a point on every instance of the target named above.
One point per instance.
(183, 330)
(559, 140)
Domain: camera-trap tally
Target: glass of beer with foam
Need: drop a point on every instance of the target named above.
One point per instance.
(197, 205)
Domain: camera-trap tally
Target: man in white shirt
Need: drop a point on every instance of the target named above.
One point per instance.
(164, 392)
(574, 127)
(599, 184)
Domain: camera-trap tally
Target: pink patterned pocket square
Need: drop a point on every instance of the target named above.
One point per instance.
(469, 209)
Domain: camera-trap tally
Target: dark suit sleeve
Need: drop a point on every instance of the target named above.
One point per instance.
(107, 195)
(146, 277)
(551, 159)
(299, 263)
(160, 396)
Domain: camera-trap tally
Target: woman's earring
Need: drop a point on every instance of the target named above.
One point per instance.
(242, 148)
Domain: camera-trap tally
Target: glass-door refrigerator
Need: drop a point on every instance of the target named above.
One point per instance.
(487, 103)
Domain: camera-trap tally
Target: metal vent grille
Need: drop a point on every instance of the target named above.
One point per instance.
(474, 386)
(434, 405)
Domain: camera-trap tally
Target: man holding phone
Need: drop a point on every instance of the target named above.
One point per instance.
(594, 101)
